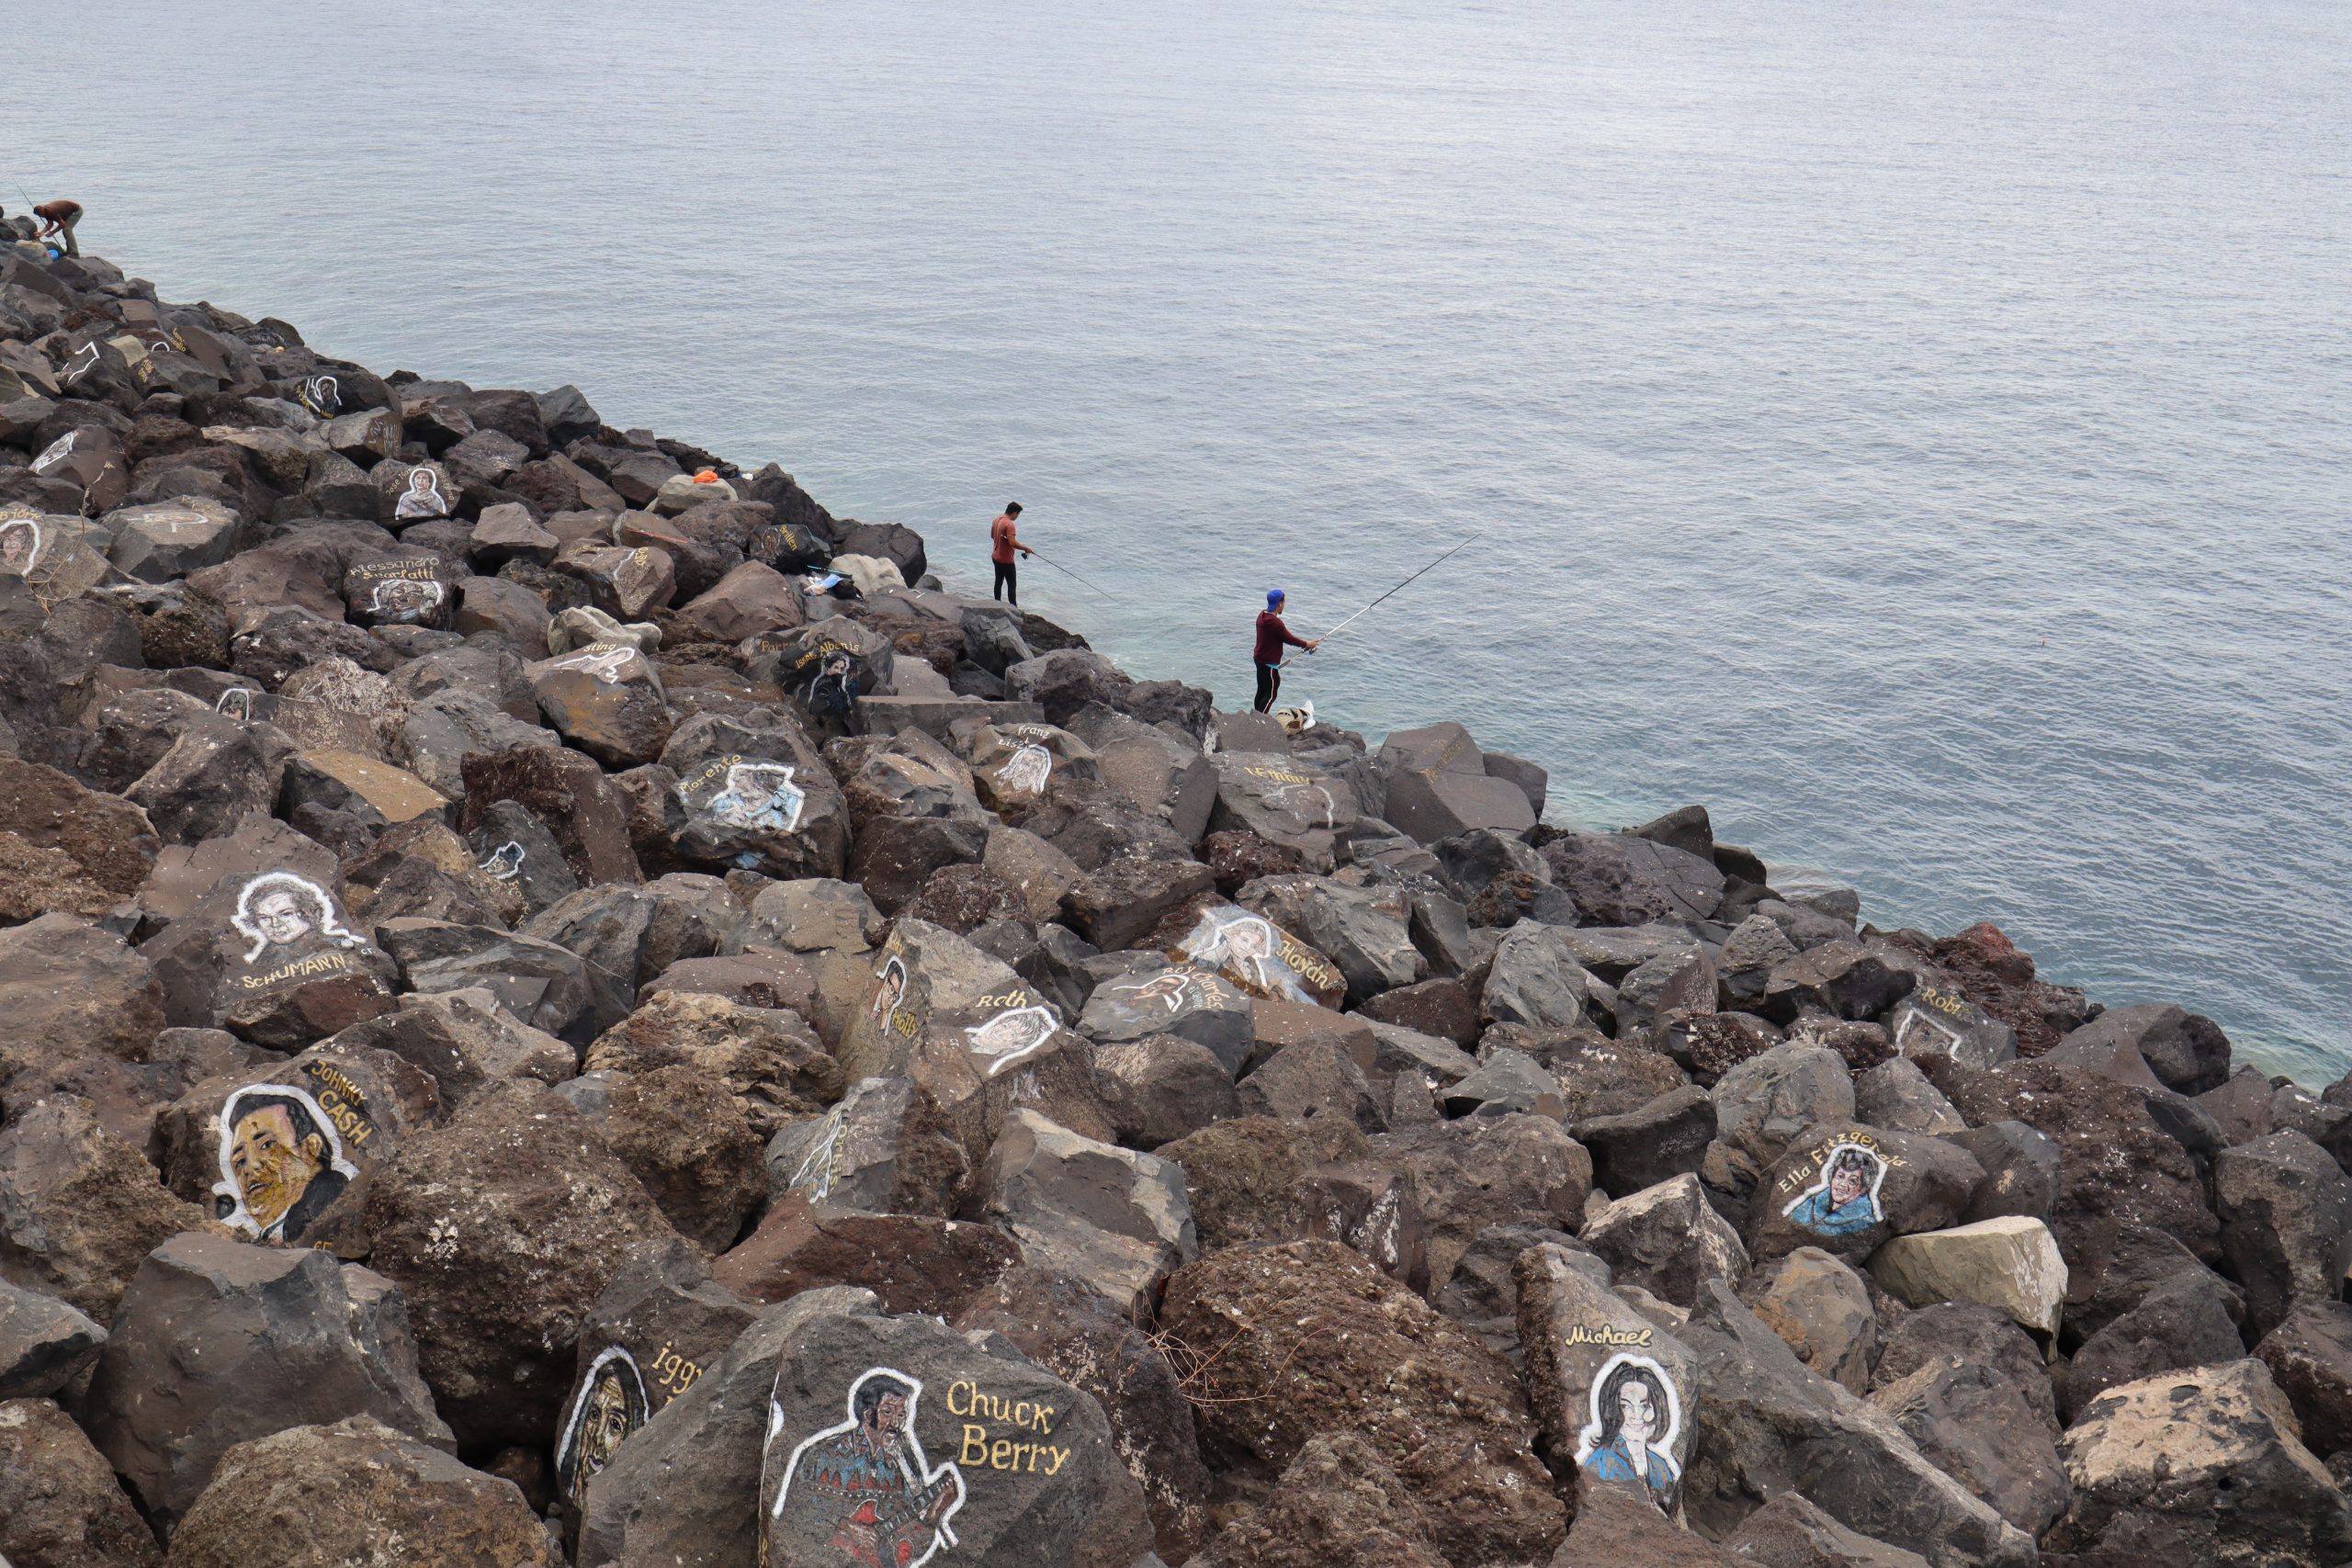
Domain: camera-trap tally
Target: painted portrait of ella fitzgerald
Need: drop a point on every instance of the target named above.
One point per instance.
(1843, 1199)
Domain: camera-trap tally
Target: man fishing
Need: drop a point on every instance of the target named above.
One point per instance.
(58, 217)
(1003, 539)
(1273, 637)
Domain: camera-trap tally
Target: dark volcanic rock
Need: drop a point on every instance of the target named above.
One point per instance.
(502, 1228)
(1081, 1336)
(342, 1493)
(1308, 1338)
(60, 1506)
(79, 1208)
(280, 1339)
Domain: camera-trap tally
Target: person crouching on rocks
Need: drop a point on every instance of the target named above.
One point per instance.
(1272, 636)
(58, 217)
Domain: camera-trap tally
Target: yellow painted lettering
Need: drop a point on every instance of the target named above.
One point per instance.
(975, 1451)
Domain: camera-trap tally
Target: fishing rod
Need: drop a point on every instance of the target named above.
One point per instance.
(1067, 572)
(1402, 586)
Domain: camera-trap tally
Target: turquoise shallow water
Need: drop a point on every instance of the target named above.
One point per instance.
(1918, 433)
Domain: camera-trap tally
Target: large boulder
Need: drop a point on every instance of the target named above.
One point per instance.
(985, 1453)
(1283, 802)
(272, 958)
(2192, 1320)
(1181, 1001)
(79, 1208)
(1970, 1389)
(44, 1343)
(1112, 1217)
(888, 1147)
(1437, 786)
(2187, 1053)
(1337, 1502)
(912, 1262)
(217, 1343)
(1308, 1338)
(1766, 1426)
(1485, 1171)
(2201, 1465)
(756, 798)
(1612, 1390)
(658, 1327)
(359, 1494)
(60, 1505)
(1082, 1337)
(1617, 879)
(69, 986)
(1364, 931)
(2286, 1212)
(2012, 1264)
(503, 1228)
(1534, 979)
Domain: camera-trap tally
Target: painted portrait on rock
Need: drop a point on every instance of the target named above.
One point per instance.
(611, 1404)
(863, 1493)
(1253, 953)
(1635, 1416)
(758, 797)
(1013, 1034)
(282, 1162)
(1844, 1198)
(20, 543)
(282, 917)
(423, 498)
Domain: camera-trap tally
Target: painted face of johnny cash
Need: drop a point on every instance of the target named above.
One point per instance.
(281, 1163)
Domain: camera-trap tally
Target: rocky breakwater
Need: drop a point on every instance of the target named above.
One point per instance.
(496, 1073)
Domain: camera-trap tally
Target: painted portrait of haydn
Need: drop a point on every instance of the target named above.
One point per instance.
(281, 1163)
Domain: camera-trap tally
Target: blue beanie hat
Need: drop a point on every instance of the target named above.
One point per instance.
(1273, 597)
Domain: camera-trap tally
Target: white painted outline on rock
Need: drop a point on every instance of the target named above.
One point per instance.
(918, 1475)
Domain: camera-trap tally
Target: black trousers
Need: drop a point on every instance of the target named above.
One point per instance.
(1008, 582)
(1270, 686)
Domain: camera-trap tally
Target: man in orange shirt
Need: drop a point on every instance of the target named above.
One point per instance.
(1003, 542)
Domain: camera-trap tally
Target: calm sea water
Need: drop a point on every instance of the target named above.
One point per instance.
(1917, 432)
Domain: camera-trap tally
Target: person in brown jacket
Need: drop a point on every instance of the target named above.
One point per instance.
(58, 217)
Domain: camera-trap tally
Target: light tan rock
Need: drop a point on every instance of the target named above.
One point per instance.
(1822, 1309)
(2208, 1460)
(395, 792)
(2011, 1263)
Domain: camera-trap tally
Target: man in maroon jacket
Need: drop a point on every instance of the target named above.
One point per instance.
(1273, 636)
(58, 217)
